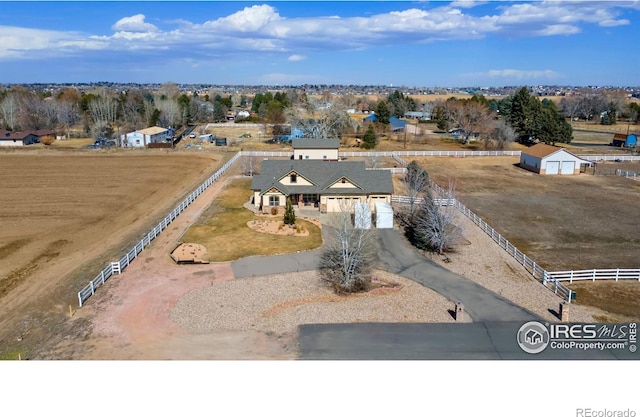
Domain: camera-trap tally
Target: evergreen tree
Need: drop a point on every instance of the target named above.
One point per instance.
(523, 112)
(383, 112)
(369, 138)
(289, 213)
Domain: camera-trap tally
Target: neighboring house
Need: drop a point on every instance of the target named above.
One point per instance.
(313, 149)
(395, 124)
(330, 186)
(8, 138)
(143, 137)
(623, 140)
(461, 134)
(422, 115)
(550, 160)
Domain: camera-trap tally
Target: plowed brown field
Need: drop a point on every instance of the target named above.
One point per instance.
(65, 214)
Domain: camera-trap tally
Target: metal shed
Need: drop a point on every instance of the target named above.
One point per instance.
(384, 216)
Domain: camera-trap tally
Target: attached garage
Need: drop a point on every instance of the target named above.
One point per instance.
(338, 204)
(551, 160)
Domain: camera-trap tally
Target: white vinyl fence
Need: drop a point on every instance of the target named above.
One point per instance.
(118, 266)
(529, 264)
(594, 274)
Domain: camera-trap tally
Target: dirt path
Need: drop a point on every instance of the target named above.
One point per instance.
(130, 315)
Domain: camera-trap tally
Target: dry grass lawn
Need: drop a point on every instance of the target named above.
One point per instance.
(562, 222)
(223, 229)
(618, 298)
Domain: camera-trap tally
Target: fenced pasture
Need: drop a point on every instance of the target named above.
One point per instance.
(63, 215)
(563, 222)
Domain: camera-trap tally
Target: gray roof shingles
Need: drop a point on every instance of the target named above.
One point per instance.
(323, 174)
(315, 143)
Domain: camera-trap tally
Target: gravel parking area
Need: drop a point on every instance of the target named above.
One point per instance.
(280, 303)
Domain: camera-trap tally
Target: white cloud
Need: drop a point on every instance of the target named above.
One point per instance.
(466, 4)
(17, 42)
(295, 58)
(612, 22)
(553, 30)
(249, 19)
(262, 28)
(134, 23)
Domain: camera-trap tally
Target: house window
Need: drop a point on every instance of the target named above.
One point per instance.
(274, 200)
(294, 178)
(324, 156)
(306, 157)
(343, 181)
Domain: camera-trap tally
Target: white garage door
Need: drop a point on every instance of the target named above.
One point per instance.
(553, 167)
(567, 167)
(338, 204)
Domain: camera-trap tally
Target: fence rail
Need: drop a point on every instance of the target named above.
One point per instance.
(119, 266)
(529, 264)
(595, 274)
(617, 158)
(403, 199)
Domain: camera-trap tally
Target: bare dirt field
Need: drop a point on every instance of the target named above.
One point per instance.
(562, 222)
(65, 214)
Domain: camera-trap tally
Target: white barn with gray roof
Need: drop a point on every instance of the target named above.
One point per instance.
(324, 149)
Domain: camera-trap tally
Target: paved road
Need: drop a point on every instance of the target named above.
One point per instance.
(431, 341)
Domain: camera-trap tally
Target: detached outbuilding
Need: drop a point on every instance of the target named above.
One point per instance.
(622, 140)
(551, 160)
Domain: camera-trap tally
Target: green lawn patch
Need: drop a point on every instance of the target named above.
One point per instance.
(223, 229)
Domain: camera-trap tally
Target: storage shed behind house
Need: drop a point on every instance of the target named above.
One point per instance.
(384, 216)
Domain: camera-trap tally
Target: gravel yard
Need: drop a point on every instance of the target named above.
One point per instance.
(279, 303)
(484, 262)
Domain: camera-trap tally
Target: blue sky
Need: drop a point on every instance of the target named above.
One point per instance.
(413, 44)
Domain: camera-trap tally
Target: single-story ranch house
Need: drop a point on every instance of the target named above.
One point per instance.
(324, 149)
(9, 138)
(330, 186)
(551, 160)
(143, 137)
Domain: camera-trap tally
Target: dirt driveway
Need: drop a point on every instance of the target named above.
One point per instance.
(132, 312)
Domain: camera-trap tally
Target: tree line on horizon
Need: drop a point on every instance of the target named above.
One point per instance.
(106, 113)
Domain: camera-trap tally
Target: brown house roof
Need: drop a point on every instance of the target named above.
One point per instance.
(541, 150)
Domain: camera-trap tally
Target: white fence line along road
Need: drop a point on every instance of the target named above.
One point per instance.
(594, 274)
(119, 266)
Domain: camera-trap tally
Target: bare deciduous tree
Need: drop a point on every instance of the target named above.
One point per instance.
(349, 257)
(503, 133)
(104, 108)
(169, 112)
(416, 183)
(434, 224)
(9, 110)
(68, 114)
